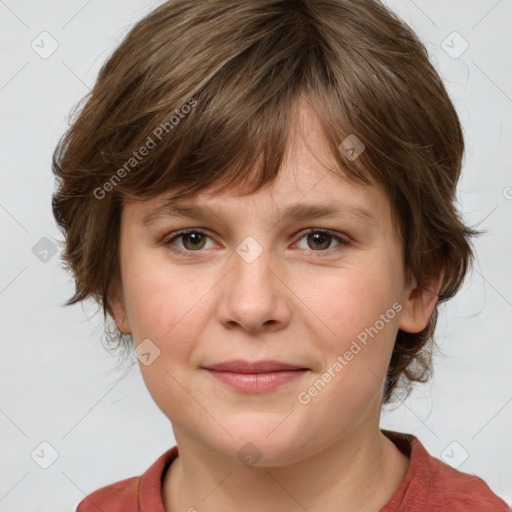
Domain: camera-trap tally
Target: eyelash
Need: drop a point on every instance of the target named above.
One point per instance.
(168, 241)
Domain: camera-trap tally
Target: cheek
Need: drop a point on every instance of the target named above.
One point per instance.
(168, 306)
(347, 301)
(356, 333)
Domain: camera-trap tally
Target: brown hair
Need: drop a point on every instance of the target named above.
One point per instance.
(208, 88)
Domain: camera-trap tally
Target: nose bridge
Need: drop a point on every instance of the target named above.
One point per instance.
(254, 295)
(252, 275)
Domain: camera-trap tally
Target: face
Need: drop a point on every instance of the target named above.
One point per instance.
(325, 294)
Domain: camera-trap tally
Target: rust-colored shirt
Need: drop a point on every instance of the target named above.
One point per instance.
(429, 485)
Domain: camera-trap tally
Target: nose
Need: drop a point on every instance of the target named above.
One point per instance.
(254, 296)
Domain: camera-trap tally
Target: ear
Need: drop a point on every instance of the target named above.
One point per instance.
(420, 304)
(117, 309)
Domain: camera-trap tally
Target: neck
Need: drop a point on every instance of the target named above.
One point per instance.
(360, 472)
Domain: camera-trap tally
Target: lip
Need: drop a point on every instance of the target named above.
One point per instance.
(255, 377)
(264, 366)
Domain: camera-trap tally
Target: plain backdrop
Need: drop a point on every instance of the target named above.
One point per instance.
(60, 387)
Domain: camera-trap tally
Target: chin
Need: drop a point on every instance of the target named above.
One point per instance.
(259, 443)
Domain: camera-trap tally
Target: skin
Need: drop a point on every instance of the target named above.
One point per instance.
(301, 301)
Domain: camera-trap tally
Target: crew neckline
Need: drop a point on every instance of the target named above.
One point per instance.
(151, 482)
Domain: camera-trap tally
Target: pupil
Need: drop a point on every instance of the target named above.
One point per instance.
(194, 239)
(319, 238)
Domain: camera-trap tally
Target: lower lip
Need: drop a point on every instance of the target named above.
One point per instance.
(257, 382)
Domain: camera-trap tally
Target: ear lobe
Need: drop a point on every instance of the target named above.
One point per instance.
(420, 305)
(117, 310)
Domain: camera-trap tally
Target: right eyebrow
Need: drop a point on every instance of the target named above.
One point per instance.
(173, 209)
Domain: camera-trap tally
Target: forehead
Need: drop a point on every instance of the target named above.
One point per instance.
(309, 183)
(302, 193)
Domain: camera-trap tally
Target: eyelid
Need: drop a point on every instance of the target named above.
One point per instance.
(176, 234)
(342, 240)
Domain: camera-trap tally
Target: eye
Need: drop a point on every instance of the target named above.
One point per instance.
(194, 239)
(320, 239)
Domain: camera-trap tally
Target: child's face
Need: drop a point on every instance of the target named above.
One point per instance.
(303, 301)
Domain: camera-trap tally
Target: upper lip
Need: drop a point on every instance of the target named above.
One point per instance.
(265, 366)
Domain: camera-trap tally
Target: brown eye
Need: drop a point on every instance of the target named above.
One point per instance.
(320, 240)
(192, 240)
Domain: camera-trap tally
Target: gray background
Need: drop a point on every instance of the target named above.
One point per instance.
(58, 384)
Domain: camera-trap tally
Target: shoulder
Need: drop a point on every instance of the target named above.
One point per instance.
(431, 485)
(132, 494)
(122, 496)
(454, 488)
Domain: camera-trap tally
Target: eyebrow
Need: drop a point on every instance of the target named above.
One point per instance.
(300, 211)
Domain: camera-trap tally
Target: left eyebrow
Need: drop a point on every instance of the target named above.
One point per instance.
(313, 211)
(298, 211)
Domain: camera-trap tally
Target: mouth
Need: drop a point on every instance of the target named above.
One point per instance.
(255, 377)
